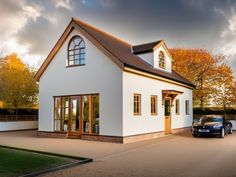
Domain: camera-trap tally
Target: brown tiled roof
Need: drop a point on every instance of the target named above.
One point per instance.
(147, 47)
(121, 50)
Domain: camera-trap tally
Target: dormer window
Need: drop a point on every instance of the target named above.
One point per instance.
(162, 60)
(76, 52)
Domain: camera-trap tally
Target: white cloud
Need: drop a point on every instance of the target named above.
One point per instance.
(31, 12)
(14, 16)
(63, 4)
(228, 37)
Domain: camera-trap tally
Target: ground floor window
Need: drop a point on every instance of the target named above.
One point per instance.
(187, 107)
(77, 114)
(177, 106)
(137, 104)
(153, 105)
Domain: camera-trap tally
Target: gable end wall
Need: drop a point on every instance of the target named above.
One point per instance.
(99, 75)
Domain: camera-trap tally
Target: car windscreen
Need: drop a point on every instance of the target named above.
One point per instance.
(211, 119)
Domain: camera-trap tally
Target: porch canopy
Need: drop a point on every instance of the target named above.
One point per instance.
(170, 94)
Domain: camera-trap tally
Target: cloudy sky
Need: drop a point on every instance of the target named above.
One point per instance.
(32, 27)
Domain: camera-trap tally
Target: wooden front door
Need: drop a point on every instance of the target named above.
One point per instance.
(167, 116)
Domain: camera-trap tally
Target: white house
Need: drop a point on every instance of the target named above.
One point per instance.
(95, 86)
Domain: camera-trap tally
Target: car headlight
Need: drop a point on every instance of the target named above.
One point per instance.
(218, 125)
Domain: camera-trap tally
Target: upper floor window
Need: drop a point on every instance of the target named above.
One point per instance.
(76, 51)
(162, 61)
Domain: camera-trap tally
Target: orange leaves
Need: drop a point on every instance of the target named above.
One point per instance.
(204, 70)
(17, 87)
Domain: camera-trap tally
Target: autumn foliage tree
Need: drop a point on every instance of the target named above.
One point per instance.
(224, 95)
(17, 86)
(202, 68)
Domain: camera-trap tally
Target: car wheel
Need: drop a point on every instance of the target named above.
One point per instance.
(222, 133)
(230, 130)
(194, 135)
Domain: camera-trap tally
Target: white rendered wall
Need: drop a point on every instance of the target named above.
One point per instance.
(99, 75)
(18, 125)
(233, 124)
(167, 58)
(146, 123)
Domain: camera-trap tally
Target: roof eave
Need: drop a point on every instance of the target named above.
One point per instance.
(172, 79)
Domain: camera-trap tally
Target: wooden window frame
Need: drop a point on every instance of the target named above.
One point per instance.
(81, 128)
(162, 60)
(187, 107)
(60, 119)
(77, 48)
(177, 107)
(154, 103)
(137, 104)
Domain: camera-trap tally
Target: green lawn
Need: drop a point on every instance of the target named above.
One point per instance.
(17, 162)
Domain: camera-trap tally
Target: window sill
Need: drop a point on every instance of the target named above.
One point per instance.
(92, 134)
(58, 131)
(75, 65)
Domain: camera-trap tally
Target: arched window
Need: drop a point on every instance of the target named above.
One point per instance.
(162, 60)
(76, 51)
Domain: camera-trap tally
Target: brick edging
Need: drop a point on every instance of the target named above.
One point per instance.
(114, 139)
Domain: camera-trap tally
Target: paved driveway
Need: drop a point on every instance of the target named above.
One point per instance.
(173, 156)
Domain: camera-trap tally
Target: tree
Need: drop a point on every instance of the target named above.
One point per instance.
(199, 67)
(17, 86)
(225, 87)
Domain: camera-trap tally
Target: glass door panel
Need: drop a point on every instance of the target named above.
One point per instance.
(95, 114)
(74, 114)
(85, 108)
(65, 113)
(167, 107)
(57, 114)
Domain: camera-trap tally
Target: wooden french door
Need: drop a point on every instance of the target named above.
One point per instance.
(167, 112)
(83, 115)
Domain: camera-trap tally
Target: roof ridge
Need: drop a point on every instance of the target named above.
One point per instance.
(97, 29)
(146, 43)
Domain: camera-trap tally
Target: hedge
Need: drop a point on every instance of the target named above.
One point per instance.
(212, 111)
(18, 111)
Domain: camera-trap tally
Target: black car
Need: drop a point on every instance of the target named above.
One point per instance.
(212, 125)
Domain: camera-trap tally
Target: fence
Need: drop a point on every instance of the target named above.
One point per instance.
(10, 118)
(18, 122)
